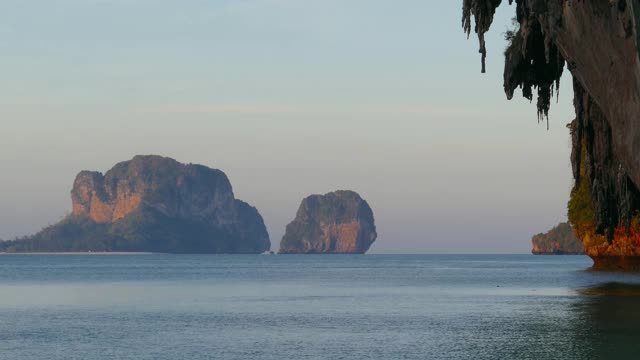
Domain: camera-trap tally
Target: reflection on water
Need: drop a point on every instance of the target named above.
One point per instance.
(607, 320)
(610, 289)
(296, 307)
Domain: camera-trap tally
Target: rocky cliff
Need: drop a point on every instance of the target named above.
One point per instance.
(340, 222)
(598, 43)
(153, 204)
(561, 240)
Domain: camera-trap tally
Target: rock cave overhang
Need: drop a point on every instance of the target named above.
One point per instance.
(535, 63)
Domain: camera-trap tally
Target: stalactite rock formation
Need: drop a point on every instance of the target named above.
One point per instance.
(598, 42)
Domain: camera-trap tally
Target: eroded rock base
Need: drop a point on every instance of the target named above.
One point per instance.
(616, 263)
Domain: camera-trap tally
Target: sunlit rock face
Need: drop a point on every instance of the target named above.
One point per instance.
(340, 222)
(176, 190)
(597, 41)
(560, 240)
(154, 204)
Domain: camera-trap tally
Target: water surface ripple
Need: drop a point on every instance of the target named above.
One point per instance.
(315, 307)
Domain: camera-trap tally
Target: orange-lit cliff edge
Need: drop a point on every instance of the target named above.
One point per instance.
(622, 252)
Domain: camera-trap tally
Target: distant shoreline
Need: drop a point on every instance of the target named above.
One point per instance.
(78, 253)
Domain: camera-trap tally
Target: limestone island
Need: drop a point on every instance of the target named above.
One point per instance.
(561, 240)
(152, 204)
(340, 222)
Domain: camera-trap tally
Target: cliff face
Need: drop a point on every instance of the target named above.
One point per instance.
(598, 43)
(164, 185)
(154, 204)
(340, 222)
(560, 240)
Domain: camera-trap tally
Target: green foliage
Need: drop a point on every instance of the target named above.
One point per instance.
(160, 182)
(71, 235)
(580, 207)
(153, 232)
(559, 240)
(580, 210)
(144, 230)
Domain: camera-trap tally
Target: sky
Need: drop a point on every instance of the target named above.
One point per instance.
(289, 98)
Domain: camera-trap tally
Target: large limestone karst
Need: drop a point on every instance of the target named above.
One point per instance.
(340, 222)
(153, 204)
(598, 43)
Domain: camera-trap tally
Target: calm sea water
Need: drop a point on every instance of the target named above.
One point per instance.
(315, 307)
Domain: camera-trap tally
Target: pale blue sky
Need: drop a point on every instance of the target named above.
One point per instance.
(289, 98)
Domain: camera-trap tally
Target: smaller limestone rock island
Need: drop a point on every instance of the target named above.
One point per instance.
(561, 240)
(340, 222)
(152, 204)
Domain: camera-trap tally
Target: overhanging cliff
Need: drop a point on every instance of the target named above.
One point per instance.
(597, 41)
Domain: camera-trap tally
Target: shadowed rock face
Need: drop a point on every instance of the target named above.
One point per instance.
(598, 43)
(340, 222)
(560, 240)
(154, 204)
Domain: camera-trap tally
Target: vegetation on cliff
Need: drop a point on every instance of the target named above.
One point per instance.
(619, 248)
(599, 43)
(337, 222)
(152, 204)
(561, 240)
(580, 207)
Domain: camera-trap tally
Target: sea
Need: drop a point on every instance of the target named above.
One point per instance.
(350, 307)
